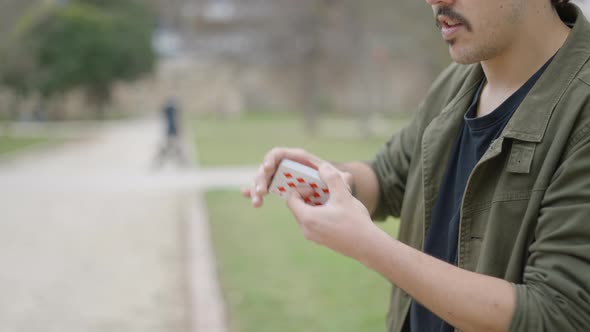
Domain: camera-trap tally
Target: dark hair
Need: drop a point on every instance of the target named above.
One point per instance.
(559, 2)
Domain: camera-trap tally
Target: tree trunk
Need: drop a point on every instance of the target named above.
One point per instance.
(309, 29)
(99, 98)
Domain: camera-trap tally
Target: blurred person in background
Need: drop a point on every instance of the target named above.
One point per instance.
(171, 148)
(490, 180)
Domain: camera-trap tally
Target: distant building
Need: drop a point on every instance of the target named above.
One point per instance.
(219, 12)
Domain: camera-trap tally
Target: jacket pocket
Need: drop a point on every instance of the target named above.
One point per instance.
(497, 233)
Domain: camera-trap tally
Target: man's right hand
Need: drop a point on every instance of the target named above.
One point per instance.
(269, 166)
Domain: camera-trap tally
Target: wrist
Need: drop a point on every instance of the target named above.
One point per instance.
(369, 253)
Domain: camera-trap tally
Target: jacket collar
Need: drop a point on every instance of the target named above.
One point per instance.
(530, 120)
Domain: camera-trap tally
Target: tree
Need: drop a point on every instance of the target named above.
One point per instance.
(84, 44)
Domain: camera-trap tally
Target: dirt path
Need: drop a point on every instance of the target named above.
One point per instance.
(93, 239)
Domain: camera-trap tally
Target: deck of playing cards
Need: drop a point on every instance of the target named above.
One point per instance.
(291, 175)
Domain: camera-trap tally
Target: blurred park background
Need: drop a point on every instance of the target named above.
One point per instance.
(100, 231)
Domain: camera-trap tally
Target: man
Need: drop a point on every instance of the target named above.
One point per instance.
(171, 147)
(490, 180)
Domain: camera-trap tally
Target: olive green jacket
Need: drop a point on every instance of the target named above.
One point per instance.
(525, 215)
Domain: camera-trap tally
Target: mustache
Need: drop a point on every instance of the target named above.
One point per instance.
(447, 11)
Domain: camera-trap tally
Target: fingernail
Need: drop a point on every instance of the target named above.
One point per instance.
(255, 200)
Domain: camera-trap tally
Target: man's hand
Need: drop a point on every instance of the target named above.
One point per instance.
(269, 166)
(343, 224)
(467, 300)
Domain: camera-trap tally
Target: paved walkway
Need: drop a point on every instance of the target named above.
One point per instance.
(95, 240)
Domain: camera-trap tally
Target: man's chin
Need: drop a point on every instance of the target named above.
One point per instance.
(462, 61)
(461, 57)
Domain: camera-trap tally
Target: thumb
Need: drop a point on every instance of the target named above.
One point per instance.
(297, 205)
(332, 178)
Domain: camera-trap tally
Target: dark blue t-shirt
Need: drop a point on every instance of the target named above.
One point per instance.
(473, 140)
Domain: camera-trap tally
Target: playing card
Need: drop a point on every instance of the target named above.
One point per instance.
(291, 174)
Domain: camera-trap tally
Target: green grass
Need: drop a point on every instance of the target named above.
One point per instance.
(13, 144)
(245, 140)
(274, 280)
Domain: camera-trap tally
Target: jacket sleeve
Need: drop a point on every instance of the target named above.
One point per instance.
(391, 166)
(555, 294)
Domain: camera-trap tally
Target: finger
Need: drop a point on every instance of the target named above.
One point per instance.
(261, 181)
(267, 170)
(332, 178)
(246, 192)
(304, 191)
(257, 201)
(274, 157)
(297, 206)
